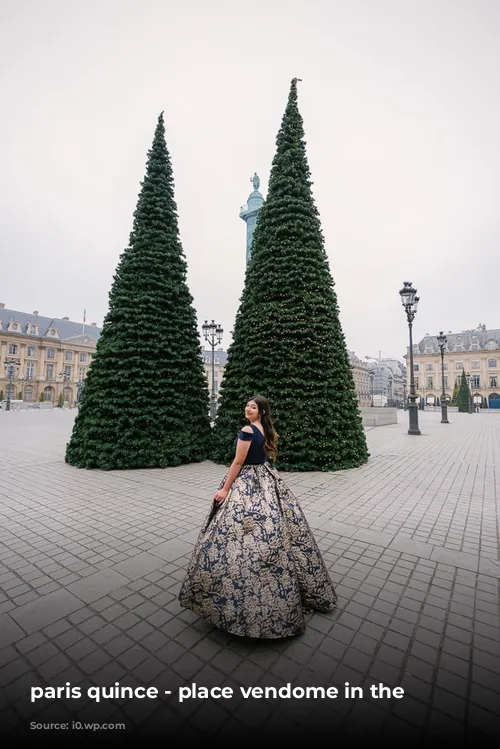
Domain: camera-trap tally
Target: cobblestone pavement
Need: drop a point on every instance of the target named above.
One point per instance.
(91, 564)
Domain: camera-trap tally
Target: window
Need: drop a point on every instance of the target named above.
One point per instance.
(51, 353)
(81, 373)
(475, 365)
(13, 349)
(445, 381)
(416, 367)
(52, 332)
(429, 367)
(491, 345)
(83, 357)
(445, 365)
(14, 326)
(474, 381)
(50, 371)
(30, 370)
(474, 347)
(416, 383)
(31, 351)
(492, 362)
(68, 356)
(32, 329)
(430, 382)
(67, 372)
(459, 365)
(493, 381)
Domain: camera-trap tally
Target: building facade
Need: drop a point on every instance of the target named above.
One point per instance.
(220, 359)
(362, 379)
(50, 356)
(389, 382)
(250, 212)
(475, 352)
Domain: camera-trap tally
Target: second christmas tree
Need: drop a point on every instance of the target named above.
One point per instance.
(288, 341)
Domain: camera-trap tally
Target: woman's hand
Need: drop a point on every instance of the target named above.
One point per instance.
(220, 496)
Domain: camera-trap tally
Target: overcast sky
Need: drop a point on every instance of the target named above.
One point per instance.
(401, 106)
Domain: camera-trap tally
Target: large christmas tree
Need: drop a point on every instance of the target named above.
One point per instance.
(145, 401)
(288, 343)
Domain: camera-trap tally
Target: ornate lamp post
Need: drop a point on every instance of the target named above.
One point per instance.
(390, 391)
(442, 340)
(10, 373)
(65, 379)
(410, 302)
(212, 333)
(79, 389)
(372, 375)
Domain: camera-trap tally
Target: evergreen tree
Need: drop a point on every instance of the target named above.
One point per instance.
(288, 343)
(455, 395)
(463, 395)
(145, 401)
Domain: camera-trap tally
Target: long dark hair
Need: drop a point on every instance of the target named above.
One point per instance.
(271, 444)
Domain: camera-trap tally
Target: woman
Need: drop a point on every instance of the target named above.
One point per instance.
(256, 569)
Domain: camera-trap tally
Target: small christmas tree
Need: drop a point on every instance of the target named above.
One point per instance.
(42, 397)
(455, 394)
(60, 401)
(463, 396)
(288, 343)
(145, 401)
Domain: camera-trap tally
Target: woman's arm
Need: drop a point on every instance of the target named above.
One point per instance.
(242, 448)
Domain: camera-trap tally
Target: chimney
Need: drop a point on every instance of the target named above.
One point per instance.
(35, 312)
(66, 319)
(93, 324)
(2, 305)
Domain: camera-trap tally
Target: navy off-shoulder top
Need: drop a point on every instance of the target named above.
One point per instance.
(256, 453)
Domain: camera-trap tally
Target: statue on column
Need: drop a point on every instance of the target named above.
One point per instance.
(255, 180)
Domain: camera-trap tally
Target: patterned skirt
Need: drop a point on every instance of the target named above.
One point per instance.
(256, 569)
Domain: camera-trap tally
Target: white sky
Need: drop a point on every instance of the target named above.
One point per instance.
(401, 103)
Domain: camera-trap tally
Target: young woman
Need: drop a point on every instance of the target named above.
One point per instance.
(256, 569)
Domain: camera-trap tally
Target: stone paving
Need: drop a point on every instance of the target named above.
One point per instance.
(91, 564)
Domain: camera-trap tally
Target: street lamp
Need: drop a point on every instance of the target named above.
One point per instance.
(65, 379)
(212, 333)
(442, 340)
(390, 391)
(79, 389)
(10, 373)
(410, 302)
(372, 375)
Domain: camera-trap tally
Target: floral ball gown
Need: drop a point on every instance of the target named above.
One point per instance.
(256, 569)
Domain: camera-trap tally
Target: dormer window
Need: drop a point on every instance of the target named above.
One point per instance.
(32, 330)
(14, 326)
(52, 331)
(491, 345)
